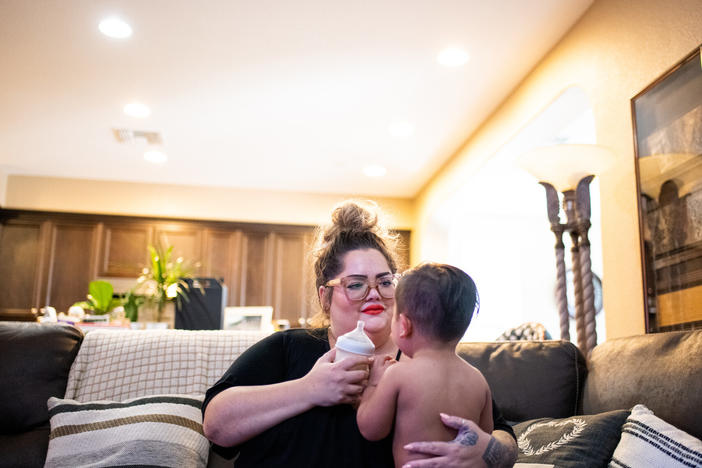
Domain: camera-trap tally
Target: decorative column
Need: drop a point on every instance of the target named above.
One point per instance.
(582, 220)
(567, 169)
(571, 226)
(558, 228)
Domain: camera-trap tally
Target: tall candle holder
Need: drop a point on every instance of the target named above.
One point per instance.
(569, 169)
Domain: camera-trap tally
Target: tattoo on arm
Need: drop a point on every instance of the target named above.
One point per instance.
(466, 437)
(494, 454)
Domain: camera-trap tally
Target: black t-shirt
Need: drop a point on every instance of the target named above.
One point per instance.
(320, 437)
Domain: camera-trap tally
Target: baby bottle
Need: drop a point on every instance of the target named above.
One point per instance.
(354, 343)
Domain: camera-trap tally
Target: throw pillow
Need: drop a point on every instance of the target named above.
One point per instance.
(586, 440)
(160, 430)
(533, 465)
(648, 441)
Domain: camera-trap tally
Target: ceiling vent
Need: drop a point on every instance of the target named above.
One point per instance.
(125, 135)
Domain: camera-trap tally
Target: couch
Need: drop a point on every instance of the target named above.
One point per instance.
(540, 386)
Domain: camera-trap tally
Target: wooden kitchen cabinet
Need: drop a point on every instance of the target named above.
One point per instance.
(71, 262)
(23, 245)
(49, 258)
(123, 248)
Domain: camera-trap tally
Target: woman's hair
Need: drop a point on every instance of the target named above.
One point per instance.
(354, 225)
(439, 299)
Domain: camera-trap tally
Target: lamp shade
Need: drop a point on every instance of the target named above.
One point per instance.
(685, 169)
(564, 165)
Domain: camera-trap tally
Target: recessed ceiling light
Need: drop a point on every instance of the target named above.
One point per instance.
(137, 109)
(401, 129)
(115, 28)
(375, 170)
(453, 57)
(155, 157)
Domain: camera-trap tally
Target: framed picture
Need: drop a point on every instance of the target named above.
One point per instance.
(667, 118)
(248, 318)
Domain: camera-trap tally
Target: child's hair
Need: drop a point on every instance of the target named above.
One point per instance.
(354, 225)
(439, 299)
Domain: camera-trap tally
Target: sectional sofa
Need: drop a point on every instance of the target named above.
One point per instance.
(133, 396)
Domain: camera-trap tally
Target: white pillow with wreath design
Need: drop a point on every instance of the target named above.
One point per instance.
(583, 440)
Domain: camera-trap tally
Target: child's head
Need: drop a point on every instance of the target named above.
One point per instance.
(439, 299)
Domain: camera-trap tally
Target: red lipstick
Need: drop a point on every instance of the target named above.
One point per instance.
(373, 309)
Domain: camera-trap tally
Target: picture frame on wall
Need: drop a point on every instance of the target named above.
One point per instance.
(667, 117)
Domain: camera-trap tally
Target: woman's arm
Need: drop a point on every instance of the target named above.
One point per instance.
(472, 447)
(237, 414)
(501, 450)
(240, 413)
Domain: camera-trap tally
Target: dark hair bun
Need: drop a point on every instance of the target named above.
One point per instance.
(352, 217)
(354, 225)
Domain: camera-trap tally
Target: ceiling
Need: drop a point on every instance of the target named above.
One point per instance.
(284, 95)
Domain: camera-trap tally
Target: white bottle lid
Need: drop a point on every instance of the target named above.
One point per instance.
(356, 341)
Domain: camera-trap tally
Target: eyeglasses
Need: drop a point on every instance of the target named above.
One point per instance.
(357, 287)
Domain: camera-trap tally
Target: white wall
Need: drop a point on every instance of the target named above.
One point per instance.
(180, 201)
(3, 187)
(495, 227)
(616, 50)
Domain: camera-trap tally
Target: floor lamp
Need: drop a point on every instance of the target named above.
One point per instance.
(569, 169)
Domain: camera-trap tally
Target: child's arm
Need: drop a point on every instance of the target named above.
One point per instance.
(486, 422)
(376, 413)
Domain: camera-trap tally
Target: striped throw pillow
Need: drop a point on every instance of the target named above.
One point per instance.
(159, 430)
(649, 442)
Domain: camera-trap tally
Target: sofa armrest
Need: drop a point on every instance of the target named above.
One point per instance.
(662, 371)
(36, 359)
(34, 363)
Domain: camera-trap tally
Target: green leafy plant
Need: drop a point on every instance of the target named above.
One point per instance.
(132, 302)
(164, 280)
(100, 300)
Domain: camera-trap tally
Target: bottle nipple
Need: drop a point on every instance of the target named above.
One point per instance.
(356, 341)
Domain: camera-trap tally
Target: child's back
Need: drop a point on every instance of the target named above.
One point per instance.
(436, 382)
(434, 305)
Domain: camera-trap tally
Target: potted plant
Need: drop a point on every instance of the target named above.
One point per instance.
(132, 302)
(162, 283)
(99, 299)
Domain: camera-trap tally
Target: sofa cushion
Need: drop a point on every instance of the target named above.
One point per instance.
(163, 430)
(117, 365)
(36, 359)
(586, 440)
(657, 370)
(649, 442)
(530, 379)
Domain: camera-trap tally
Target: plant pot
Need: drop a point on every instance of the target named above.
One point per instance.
(150, 312)
(168, 314)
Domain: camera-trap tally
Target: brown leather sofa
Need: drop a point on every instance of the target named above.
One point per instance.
(536, 379)
(529, 379)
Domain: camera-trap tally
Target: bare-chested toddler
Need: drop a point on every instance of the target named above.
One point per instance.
(434, 304)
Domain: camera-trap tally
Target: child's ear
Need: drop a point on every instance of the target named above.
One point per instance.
(405, 326)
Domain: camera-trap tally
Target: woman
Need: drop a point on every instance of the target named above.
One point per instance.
(285, 402)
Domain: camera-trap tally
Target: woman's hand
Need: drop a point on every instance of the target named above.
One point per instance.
(239, 413)
(331, 383)
(472, 447)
